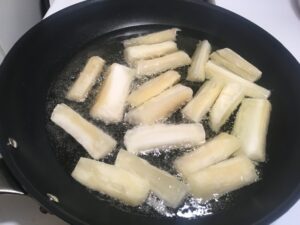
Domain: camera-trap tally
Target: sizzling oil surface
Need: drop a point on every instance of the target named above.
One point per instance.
(68, 151)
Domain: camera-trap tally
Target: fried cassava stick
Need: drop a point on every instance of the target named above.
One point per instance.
(196, 72)
(216, 150)
(111, 99)
(96, 142)
(161, 106)
(114, 181)
(153, 87)
(251, 127)
(135, 53)
(234, 62)
(157, 37)
(228, 100)
(205, 97)
(153, 66)
(149, 137)
(251, 89)
(164, 185)
(86, 79)
(218, 179)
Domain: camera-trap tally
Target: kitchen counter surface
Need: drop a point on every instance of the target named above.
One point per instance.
(280, 18)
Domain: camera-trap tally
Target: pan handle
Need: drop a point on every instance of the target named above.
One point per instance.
(8, 185)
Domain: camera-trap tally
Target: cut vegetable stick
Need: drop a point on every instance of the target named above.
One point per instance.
(219, 60)
(197, 108)
(110, 102)
(251, 126)
(228, 100)
(226, 176)
(234, 62)
(153, 66)
(148, 137)
(134, 53)
(196, 72)
(251, 89)
(164, 185)
(214, 151)
(111, 180)
(153, 87)
(153, 38)
(161, 106)
(97, 143)
(86, 79)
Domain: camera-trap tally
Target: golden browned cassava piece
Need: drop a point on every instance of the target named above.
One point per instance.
(149, 137)
(86, 79)
(111, 99)
(237, 64)
(164, 185)
(161, 106)
(205, 97)
(153, 87)
(251, 89)
(134, 53)
(153, 66)
(196, 72)
(114, 181)
(96, 142)
(153, 38)
(251, 127)
(221, 178)
(212, 152)
(228, 100)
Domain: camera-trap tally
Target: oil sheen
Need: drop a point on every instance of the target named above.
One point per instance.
(68, 151)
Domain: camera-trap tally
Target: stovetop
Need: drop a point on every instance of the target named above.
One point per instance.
(280, 18)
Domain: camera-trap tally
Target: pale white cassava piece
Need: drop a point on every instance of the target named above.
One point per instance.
(134, 53)
(215, 150)
(161, 106)
(237, 64)
(164, 185)
(228, 100)
(221, 178)
(196, 71)
(170, 136)
(153, 38)
(251, 89)
(111, 99)
(114, 181)
(153, 87)
(96, 142)
(205, 97)
(150, 67)
(251, 127)
(86, 79)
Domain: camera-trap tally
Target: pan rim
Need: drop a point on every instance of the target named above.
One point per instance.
(57, 209)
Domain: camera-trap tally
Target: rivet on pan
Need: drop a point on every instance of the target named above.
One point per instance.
(52, 198)
(12, 142)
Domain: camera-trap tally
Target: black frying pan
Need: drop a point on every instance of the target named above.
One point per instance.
(46, 53)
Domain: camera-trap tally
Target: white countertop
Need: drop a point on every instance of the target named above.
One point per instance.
(280, 18)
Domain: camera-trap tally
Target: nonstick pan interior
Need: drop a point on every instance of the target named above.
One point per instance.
(38, 62)
(68, 151)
